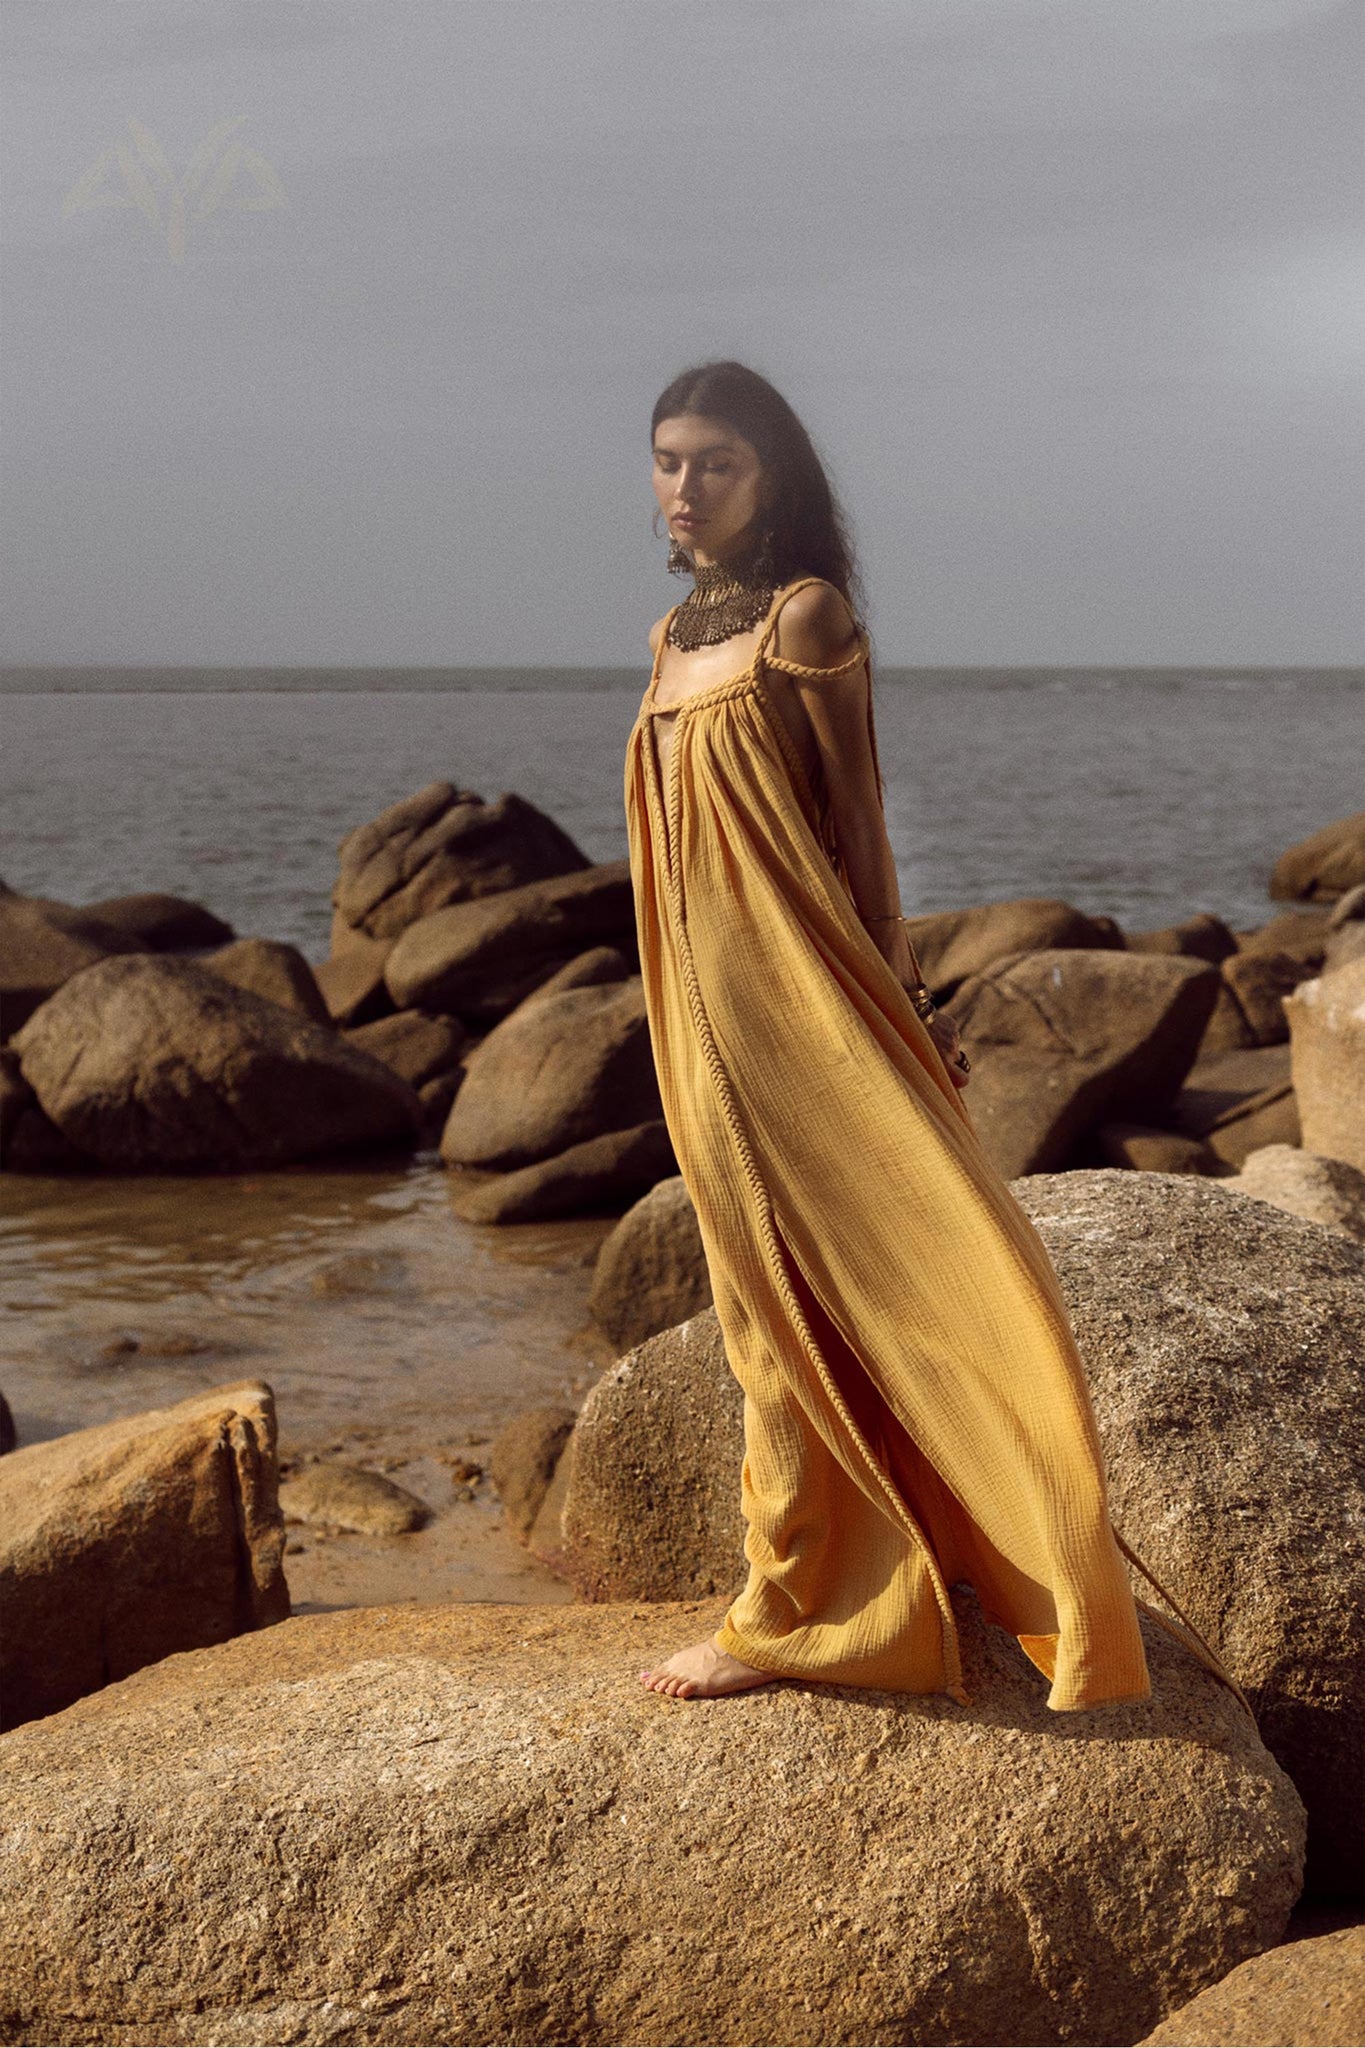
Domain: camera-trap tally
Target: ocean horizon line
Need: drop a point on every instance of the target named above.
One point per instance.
(288, 678)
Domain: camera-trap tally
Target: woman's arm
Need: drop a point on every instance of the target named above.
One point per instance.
(817, 630)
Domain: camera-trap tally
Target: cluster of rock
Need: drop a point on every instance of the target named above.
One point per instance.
(476, 953)
(1224, 1342)
(483, 994)
(455, 1824)
(471, 1823)
(477, 1796)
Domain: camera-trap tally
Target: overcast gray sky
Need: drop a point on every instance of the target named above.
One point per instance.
(1070, 296)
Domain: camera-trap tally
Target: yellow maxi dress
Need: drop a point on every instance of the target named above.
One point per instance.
(916, 1412)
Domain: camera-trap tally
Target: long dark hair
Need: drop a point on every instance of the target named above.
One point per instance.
(809, 532)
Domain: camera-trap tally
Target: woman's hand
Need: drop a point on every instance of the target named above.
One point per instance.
(943, 1030)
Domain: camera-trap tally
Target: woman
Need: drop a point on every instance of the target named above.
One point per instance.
(916, 1413)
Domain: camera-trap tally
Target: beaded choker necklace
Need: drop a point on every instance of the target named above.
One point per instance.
(728, 598)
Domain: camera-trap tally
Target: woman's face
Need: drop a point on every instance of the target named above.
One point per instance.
(709, 483)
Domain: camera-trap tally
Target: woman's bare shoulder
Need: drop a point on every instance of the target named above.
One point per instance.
(815, 627)
(656, 633)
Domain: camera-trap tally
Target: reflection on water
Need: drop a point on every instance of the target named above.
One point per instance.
(354, 1291)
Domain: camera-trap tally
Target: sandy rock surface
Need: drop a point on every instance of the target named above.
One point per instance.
(1224, 1343)
(588, 969)
(1310, 1993)
(418, 1047)
(1147, 1149)
(1301, 934)
(652, 1506)
(42, 944)
(1259, 982)
(352, 979)
(1237, 1100)
(1202, 936)
(474, 1825)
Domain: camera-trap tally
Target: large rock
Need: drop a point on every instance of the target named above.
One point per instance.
(1220, 1082)
(270, 968)
(1201, 937)
(134, 1539)
(583, 1179)
(522, 1462)
(1064, 1040)
(1147, 1149)
(1327, 1046)
(156, 1062)
(444, 845)
(352, 981)
(651, 1510)
(1311, 1993)
(42, 944)
(552, 1074)
(1271, 1118)
(1301, 934)
(651, 1272)
(29, 1140)
(1259, 982)
(952, 944)
(1348, 909)
(479, 960)
(1325, 1191)
(1345, 929)
(472, 1823)
(160, 923)
(1345, 945)
(589, 969)
(417, 1047)
(1323, 867)
(1225, 1347)
(1237, 1101)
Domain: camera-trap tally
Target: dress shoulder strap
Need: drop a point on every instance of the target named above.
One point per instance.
(796, 668)
(762, 659)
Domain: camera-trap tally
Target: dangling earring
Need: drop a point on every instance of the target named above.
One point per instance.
(680, 563)
(763, 570)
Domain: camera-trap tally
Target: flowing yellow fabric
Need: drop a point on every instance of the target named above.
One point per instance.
(916, 1411)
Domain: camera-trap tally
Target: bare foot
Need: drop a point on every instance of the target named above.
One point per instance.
(703, 1671)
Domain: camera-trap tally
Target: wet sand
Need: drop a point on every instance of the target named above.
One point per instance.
(395, 1336)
